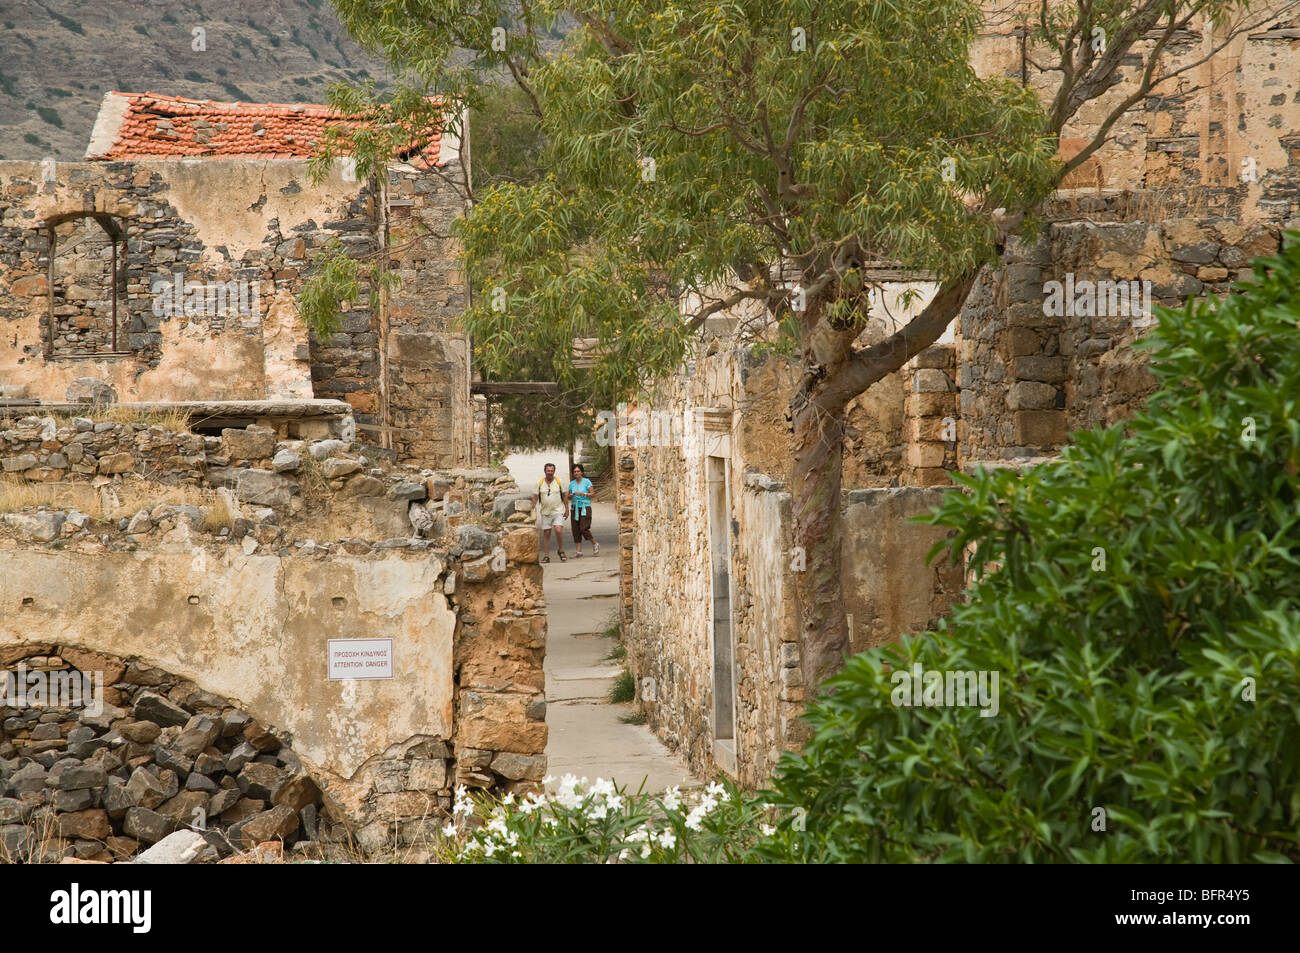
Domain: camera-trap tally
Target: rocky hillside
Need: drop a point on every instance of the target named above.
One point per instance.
(58, 57)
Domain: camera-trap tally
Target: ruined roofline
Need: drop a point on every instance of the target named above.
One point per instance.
(155, 126)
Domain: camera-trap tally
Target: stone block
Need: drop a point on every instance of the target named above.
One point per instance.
(296, 793)
(150, 706)
(1031, 395)
(260, 487)
(927, 380)
(931, 476)
(497, 721)
(519, 767)
(180, 847)
(1037, 367)
(38, 527)
(521, 545)
(1014, 342)
(248, 443)
(925, 454)
(147, 826)
(427, 774)
(19, 463)
(938, 356)
(933, 404)
(86, 825)
(278, 823)
(1039, 428)
(116, 463)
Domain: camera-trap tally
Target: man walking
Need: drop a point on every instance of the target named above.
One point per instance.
(550, 500)
(580, 503)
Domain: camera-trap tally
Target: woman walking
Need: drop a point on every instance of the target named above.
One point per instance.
(580, 509)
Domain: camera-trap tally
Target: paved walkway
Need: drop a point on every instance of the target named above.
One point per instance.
(586, 737)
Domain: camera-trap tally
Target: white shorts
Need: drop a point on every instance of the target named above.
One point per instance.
(555, 521)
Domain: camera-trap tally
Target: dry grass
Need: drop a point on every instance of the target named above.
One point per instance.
(42, 832)
(221, 512)
(114, 502)
(1135, 205)
(175, 420)
(311, 480)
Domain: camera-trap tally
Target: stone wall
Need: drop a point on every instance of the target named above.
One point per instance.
(134, 755)
(1027, 377)
(236, 227)
(1190, 143)
(212, 222)
(240, 598)
(427, 358)
(732, 406)
(889, 590)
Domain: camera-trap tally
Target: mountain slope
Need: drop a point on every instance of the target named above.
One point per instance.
(58, 58)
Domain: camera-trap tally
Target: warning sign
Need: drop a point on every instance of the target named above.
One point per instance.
(360, 658)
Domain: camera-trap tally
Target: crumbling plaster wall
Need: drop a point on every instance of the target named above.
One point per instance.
(214, 221)
(243, 605)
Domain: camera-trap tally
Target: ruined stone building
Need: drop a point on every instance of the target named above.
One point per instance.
(305, 616)
(1196, 181)
(167, 266)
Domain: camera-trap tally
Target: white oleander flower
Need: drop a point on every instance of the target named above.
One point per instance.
(667, 840)
(694, 818)
(768, 830)
(449, 830)
(672, 798)
(716, 790)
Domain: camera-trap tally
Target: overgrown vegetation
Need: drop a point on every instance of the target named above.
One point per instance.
(1143, 616)
(338, 282)
(1136, 598)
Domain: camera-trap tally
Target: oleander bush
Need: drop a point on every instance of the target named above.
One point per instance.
(573, 822)
(1140, 599)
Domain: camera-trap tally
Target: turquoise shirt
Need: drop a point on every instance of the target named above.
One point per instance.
(580, 494)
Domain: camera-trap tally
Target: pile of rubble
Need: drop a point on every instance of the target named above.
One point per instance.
(104, 782)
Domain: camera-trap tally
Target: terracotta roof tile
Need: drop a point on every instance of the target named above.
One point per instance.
(151, 126)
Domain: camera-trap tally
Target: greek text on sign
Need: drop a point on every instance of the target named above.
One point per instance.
(360, 658)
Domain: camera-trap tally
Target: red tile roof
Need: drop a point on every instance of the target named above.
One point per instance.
(150, 126)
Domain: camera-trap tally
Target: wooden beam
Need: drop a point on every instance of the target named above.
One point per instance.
(514, 387)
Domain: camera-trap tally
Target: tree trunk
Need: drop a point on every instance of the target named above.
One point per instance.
(834, 374)
(817, 443)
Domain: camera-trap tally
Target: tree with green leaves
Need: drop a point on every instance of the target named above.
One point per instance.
(701, 157)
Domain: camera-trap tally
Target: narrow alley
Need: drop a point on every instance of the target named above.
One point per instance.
(587, 737)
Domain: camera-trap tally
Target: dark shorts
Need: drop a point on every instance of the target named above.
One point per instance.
(581, 524)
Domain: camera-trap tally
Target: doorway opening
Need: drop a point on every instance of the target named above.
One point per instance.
(724, 671)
